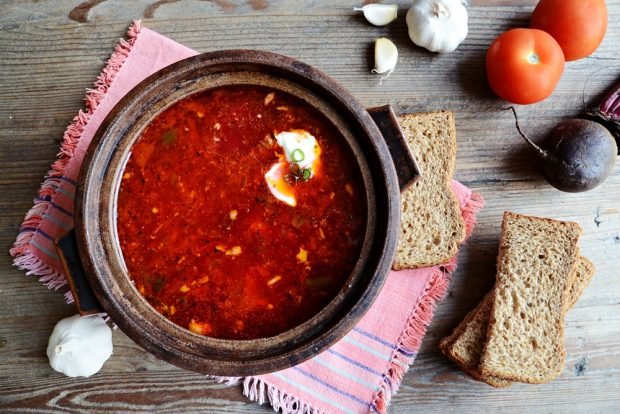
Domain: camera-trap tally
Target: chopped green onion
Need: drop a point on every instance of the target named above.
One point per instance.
(318, 282)
(306, 173)
(169, 137)
(298, 221)
(298, 155)
(157, 282)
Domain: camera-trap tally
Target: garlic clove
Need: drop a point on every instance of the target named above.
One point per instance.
(379, 14)
(79, 345)
(386, 56)
(437, 25)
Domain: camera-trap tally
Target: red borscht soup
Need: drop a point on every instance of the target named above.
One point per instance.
(241, 212)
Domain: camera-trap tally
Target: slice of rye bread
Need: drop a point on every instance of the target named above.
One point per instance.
(466, 343)
(585, 271)
(535, 269)
(431, 223)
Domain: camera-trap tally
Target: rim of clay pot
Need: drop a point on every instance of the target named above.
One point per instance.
(99, 182)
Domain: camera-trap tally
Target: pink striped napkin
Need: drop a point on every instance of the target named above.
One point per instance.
(358, 374)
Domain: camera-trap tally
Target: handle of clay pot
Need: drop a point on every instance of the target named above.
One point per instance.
(406, 166)
(83, 295)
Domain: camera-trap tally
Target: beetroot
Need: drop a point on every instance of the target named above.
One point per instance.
(580, 155)
(577, 154)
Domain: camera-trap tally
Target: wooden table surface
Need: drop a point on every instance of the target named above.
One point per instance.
(51, 50)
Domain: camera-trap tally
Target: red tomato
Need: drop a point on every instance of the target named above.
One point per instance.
(578, 25)
(524, 65)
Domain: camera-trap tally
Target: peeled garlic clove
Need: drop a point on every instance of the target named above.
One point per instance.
(386, 56)
(79, 345)
(379, 14)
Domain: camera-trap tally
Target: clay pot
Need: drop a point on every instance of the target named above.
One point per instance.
(374, 138)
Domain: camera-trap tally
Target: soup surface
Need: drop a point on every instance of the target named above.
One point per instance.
(241, 213)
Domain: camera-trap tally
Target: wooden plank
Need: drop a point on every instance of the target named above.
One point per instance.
(49, 53)
(80, 11)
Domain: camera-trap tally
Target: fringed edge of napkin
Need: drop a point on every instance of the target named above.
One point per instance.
(411, 338)
(409, 343)
(256, 389)
(24, 258)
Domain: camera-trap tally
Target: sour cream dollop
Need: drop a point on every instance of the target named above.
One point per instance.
(301, 148)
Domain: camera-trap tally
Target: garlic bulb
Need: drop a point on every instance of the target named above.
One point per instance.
(379, 14)
(437, 25)
(79, 345)
(386, 56)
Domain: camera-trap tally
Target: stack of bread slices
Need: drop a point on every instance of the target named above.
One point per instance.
(517, 332)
